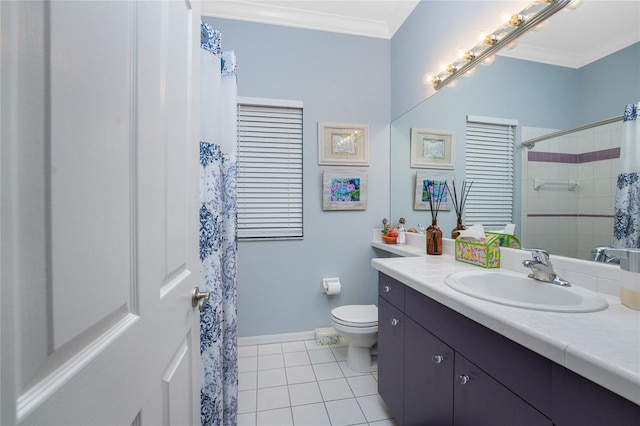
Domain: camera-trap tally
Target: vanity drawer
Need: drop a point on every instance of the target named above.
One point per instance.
(391, 290)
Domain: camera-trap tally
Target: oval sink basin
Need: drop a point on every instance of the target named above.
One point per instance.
(523, 292)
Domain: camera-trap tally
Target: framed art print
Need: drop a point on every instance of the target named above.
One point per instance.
(343, 144)
(344, 190)
(427, 183)
(432, 148)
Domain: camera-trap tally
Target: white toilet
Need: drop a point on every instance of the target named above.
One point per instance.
(358, 324)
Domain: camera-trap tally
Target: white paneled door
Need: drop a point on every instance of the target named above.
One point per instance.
(99, 220)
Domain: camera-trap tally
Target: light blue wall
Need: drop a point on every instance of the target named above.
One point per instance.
(339, 78)
(431, 34)
(607, 85)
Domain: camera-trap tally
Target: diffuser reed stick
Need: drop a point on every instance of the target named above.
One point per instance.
(434, 205)
(459, 205)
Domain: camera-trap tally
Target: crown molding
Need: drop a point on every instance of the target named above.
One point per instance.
(575, 59)
(255, 11)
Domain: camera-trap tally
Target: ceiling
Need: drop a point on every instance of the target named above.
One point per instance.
(578, 37)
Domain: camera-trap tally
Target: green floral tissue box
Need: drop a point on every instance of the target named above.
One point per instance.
(482, 253)
(507, 240)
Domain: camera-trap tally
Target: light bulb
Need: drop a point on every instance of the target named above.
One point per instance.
(516, 20)
(490, 39)
(470, 72)
(428, 79)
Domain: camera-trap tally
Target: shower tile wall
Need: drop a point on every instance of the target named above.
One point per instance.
(565, 222)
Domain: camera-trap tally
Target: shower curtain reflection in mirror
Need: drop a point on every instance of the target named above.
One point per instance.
(626, 231)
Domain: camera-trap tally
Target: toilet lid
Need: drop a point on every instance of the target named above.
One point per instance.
(358, 315)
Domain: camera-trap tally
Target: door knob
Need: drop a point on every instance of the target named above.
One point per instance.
(199, 298)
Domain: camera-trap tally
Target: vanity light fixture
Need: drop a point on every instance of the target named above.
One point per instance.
(482, 53)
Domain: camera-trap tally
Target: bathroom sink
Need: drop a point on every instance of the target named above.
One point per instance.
(523, 292)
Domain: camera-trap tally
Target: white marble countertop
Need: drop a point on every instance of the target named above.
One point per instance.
(602, 346)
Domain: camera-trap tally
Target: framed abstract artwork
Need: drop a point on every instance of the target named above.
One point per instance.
(344, 190)
(427, 183)
(343, 144)
(432, 148)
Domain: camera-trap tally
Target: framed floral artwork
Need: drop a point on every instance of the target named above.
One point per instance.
(432, 148)
(344, 190)
(427, 183)
(343, 144)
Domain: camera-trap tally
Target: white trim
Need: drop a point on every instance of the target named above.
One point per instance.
(283, 103)
(262, 12)
(276, 338)
(491, 120)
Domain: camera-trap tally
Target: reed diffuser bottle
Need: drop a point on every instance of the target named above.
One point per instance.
(459, 206)
(434, 192)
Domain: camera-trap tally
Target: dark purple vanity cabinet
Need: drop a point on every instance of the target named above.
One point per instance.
(436, 366)
(391, 340)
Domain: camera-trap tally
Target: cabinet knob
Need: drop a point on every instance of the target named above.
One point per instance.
(463, 379)
(437, 358)
(386, 289)
(394, 321)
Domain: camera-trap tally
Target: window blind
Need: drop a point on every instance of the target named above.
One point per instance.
(489, 164)
(269, 171)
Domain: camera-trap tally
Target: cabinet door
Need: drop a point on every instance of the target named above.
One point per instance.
(481, 400)
(391, 290)
(391, 357)
(428, 386)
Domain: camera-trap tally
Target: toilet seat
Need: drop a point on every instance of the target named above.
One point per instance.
(358, 316)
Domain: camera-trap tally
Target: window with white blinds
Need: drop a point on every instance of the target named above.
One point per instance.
(489, 164)
(269, 169)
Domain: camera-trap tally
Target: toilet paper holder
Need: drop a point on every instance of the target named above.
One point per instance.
(331, 286)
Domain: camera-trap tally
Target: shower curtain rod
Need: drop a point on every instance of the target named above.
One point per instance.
(532, 142)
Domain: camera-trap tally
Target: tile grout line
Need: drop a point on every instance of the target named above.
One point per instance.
(336, 359)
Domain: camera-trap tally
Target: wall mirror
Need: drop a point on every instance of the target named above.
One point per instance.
(542, 97)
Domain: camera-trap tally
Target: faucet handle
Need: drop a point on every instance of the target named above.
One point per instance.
(540, 255)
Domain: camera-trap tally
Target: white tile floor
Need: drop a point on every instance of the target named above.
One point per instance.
(304, 384)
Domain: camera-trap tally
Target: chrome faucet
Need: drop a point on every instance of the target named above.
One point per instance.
(542, 269)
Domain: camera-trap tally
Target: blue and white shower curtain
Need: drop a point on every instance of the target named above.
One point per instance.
(626, 230)
(218, 232)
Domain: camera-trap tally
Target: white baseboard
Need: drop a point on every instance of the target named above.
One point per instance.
(276, 338)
